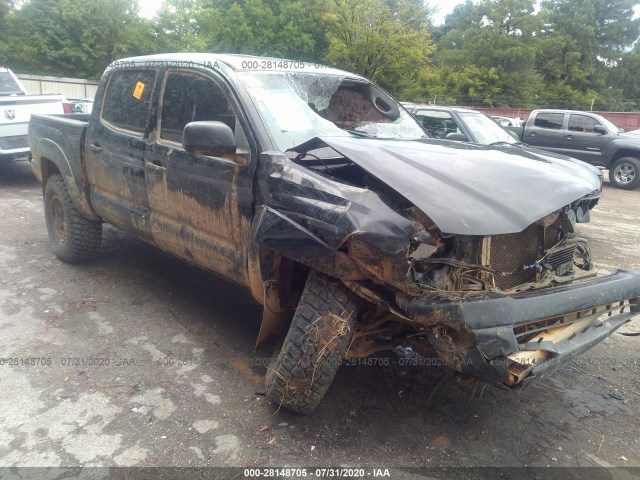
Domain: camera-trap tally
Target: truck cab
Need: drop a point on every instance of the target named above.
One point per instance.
(581, 135)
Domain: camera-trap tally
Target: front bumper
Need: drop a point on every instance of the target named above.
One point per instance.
(511, 340)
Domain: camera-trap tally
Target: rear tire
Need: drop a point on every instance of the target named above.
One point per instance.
(625, 173)
(73, 237)
(302, 370)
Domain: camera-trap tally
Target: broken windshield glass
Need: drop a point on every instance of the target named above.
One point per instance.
(296, 107)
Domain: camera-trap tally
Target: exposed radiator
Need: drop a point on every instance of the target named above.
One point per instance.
(512, 251)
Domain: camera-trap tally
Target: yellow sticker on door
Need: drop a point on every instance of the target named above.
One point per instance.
(137, 92)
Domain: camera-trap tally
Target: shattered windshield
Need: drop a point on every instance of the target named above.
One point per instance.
(296, 107)
(486, 130)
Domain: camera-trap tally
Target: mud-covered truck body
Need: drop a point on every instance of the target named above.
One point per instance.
(316, 191)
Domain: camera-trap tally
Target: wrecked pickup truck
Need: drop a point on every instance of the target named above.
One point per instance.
(317, 191)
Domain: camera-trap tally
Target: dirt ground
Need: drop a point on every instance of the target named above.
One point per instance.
(143, 360)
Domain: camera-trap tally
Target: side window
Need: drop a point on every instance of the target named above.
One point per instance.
(127, 99)
(582, 123)
(549, 120)
(438, 124)
(188, 98)
(8, 85)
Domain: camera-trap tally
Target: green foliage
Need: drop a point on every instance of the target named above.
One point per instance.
(63, 37)
(488, 52)
(4, 25)
(518, 53)
(177, 26)
(385, 40)
(262, 27)
(579, 40)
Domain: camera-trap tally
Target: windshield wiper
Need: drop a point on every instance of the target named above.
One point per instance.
(360, 133)
(503, 143)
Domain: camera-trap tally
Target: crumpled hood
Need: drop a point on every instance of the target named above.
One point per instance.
(470, 189)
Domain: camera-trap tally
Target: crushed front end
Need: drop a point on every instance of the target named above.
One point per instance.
(504, 308)
(515, 307)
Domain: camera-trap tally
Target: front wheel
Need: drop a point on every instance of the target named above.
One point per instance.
(73, 237)
(625, 173)
(301, 371)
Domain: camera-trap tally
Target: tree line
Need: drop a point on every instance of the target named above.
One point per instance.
(499, 53)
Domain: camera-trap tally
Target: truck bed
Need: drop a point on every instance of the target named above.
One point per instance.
(60, 138)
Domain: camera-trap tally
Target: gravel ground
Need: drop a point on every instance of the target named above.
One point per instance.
(142, 360)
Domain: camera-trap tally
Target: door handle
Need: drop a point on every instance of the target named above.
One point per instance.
(569, 137)
(157, 165)
(532, 134)
(95, 148)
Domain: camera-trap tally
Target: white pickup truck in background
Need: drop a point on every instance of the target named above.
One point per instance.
(16, 108)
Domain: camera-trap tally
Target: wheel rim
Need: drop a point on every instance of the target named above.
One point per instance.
(58, 220)
(624, 173)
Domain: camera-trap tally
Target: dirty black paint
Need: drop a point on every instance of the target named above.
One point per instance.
(261, 220)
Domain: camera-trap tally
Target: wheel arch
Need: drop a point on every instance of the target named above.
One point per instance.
(276, 282)
(51, 159)
(625, 152)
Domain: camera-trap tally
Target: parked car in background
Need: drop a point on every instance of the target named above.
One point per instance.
(82, 106)
(463, 124)
(507, 121)
(589, 137)
(16, 107)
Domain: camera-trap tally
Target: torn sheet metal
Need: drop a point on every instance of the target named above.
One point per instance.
(310, 215)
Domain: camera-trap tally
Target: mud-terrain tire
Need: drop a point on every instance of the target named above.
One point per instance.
(73, 237)
(301, 371)
(625, 173)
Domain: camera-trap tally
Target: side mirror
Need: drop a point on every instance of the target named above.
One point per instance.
(458, 137)
(214, 139)
(600, 129)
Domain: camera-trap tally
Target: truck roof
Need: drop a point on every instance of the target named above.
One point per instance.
(560, 110)
(237, 62)
(410, 106)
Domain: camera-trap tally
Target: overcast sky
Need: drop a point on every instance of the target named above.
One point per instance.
(444, 9)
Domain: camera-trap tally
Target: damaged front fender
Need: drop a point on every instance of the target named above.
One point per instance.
(311, 218)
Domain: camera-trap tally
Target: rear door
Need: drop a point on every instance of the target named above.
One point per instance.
(201, 206)
(115, 148)
(546, 131)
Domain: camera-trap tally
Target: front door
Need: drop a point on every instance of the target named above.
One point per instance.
(201, 206)
(581, 141)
